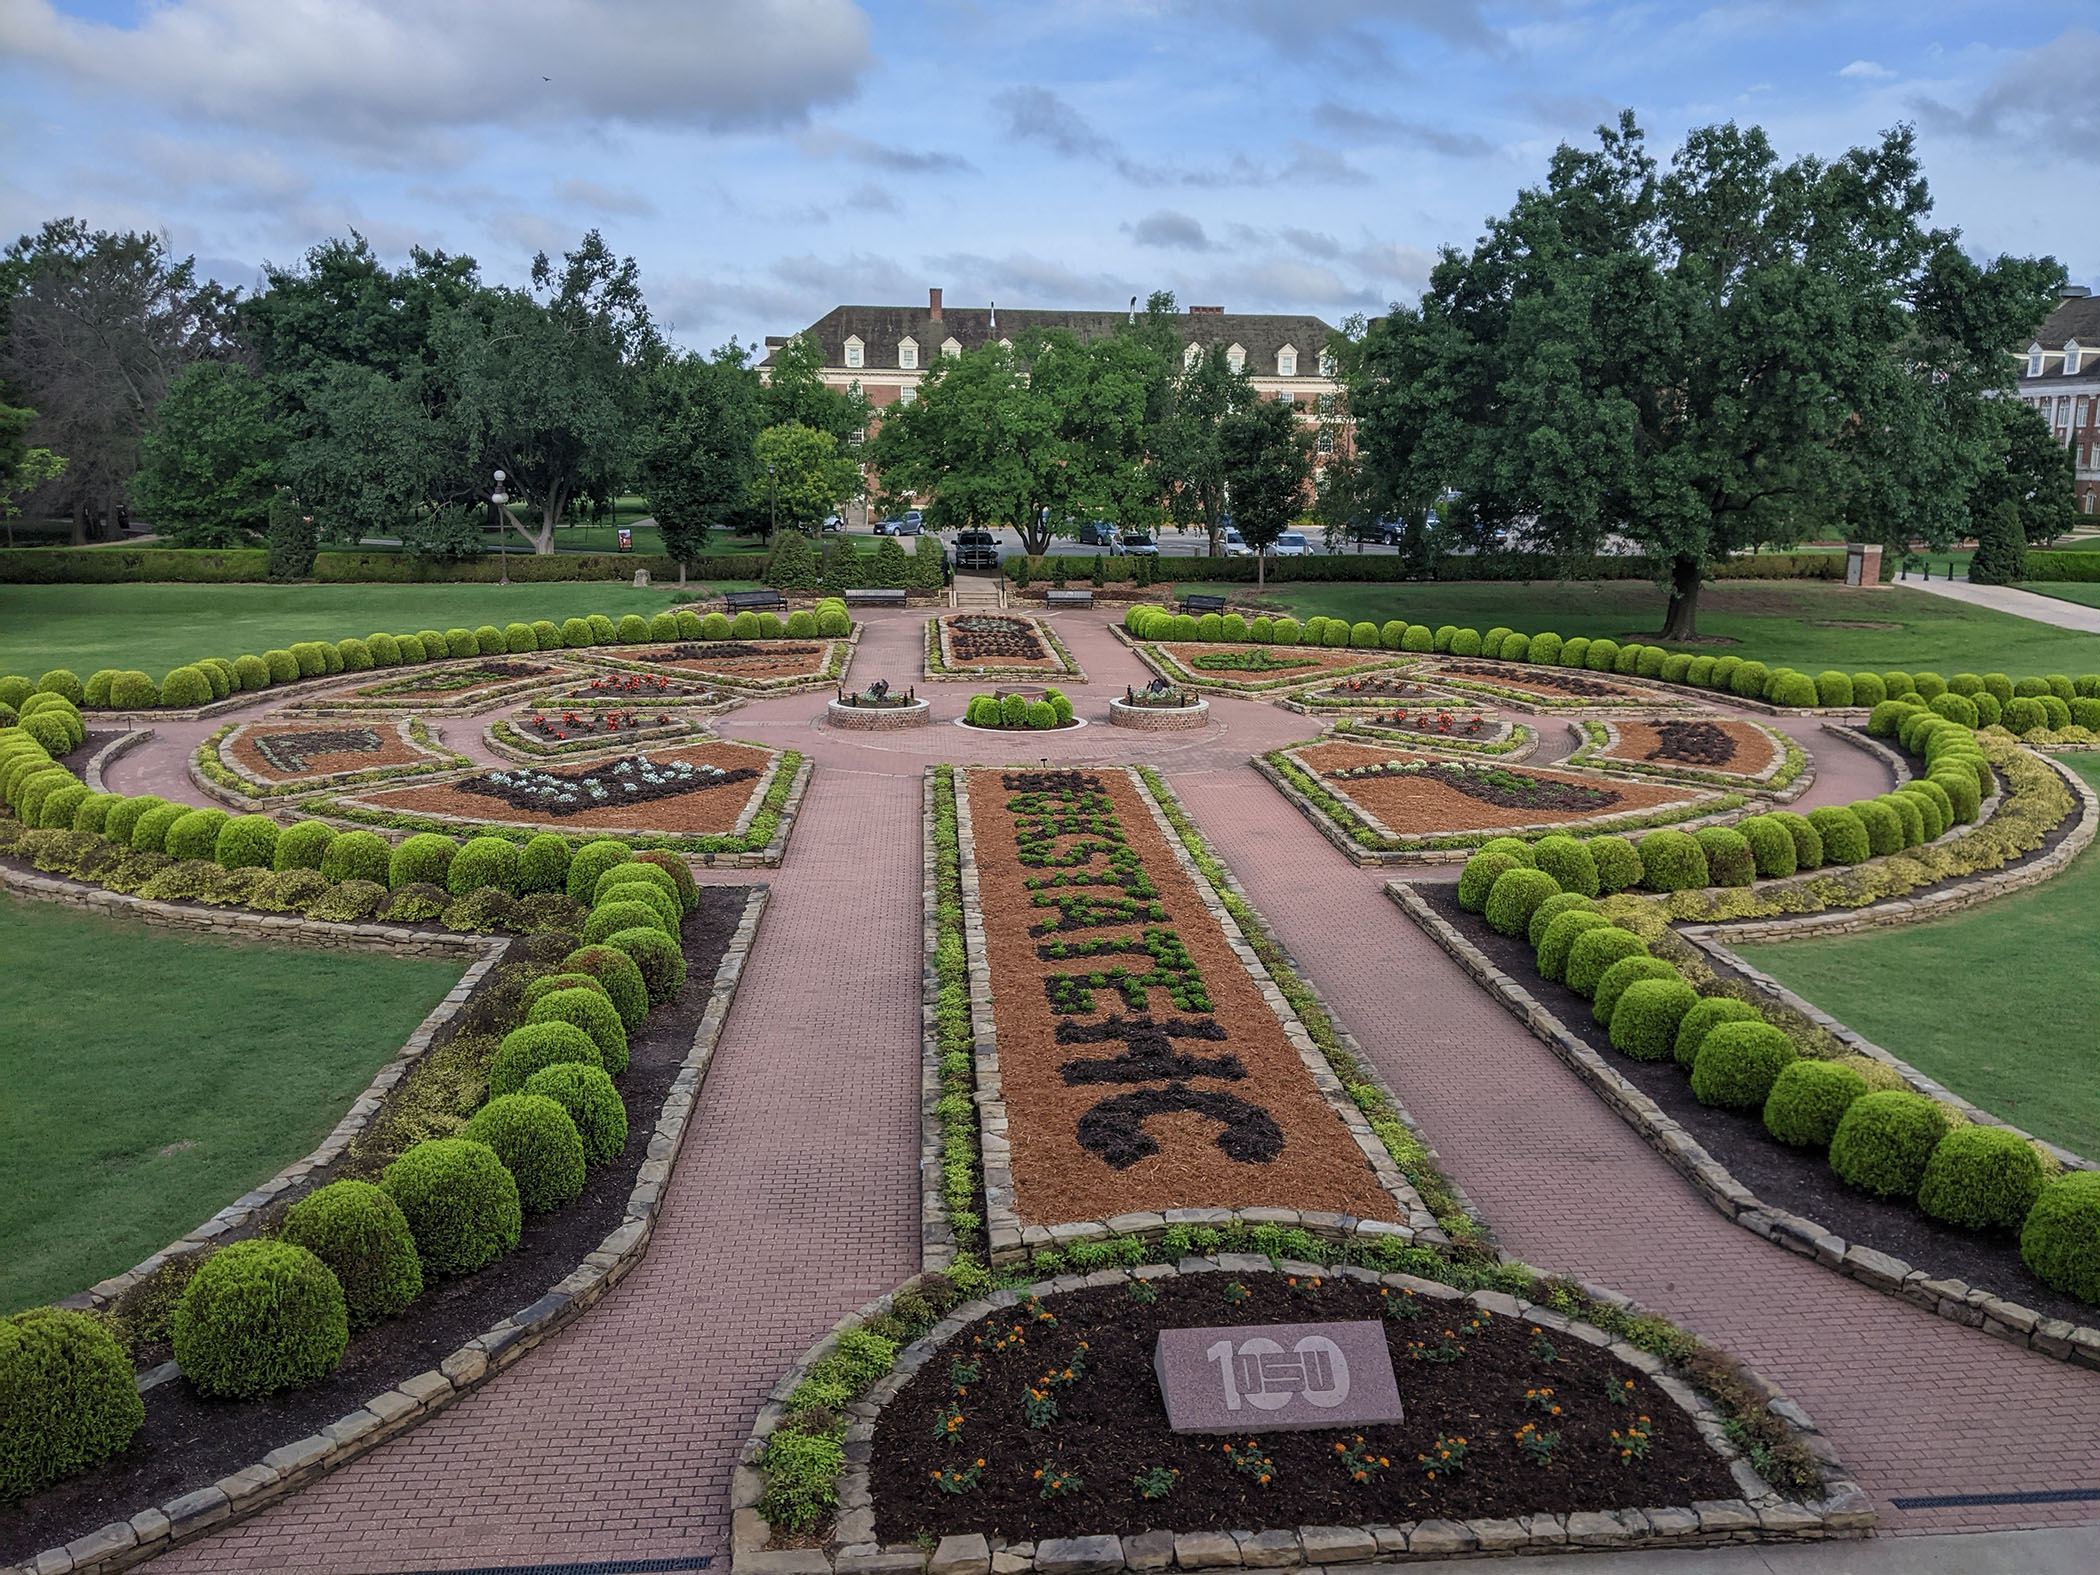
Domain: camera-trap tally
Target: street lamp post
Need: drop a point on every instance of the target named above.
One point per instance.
(496, 501)
(772, 505)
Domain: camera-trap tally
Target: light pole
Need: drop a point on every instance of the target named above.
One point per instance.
(772, 505)
(496, 501)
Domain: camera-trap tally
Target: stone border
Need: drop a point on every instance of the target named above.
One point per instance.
(506, 741)
(458, 702)
(1761, 1514)
(937, 1241)
(123, 1543)
(938, 668)
(1952, 1299)
(1011, 1240)
(1164, 664)
(1160, 718)
(1589, 754)
(838, 661)
(107, 755)
(1518, 745)
(877, 719)
(249, 787)
(240, 698)
(1072, 726)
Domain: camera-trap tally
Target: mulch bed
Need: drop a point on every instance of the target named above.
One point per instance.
(747, 659)
(76, 760)
(989, 640)
(568, 726)
(1111, 1425)
(635, 689)
(1377, 688)
(452, 681)
(287, 752)
(703, 809)
(1310, 660)
(1703, 744)
(1429, 802)
(1798, 1180)
(1270, 1141)
(188, 1442)
(1539, 681)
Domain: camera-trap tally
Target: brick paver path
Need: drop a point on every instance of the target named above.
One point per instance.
(796, 1198)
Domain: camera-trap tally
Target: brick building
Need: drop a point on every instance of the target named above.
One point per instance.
(2060, 377)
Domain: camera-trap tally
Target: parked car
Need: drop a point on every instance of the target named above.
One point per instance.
(1136, 544)
(834, 522)
(975, 549)
(1230, 544)
(1100, 534)
(1292, 544)
(1380, 533)
(915, 521)
(888, 527)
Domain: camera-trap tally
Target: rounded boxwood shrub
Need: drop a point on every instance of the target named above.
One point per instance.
(1644, 1022)
(622, 980)
(412, 648)
(1516, 847)
(257, 1317)
(633, 889)
(1570, 864)
(424, 859)
(363, 1237)
(591, 1010)
(538, 1144)
(1515, 648)
(1955, 709)
(1552, 908)
(658, 957)
(1887, 716)
(282, 665)
(14, 689)
(312, 660)
(1729, 860)
(1981, 1178)
(1737, 1064)
(53, 729)
(1884, 830)
(1905, 808)
(547, 983)
(1559, 937)
(1392, 634)
(93, 811)
(196, 835)
(2061, 1239)
(150, 835)
(527, 1048)
(1672, 861)
(1705, 1015)
(1843, 834)
(1478, 878)
(683, 886)
(1808, 842)
(608, 919)
(247, 841)
(520, 639)
(1545, 649)
(1834, 688)
(489, 641)
(68, 1398)
(1898, 684)
(62, 681)
(1808, 1099)
(385, 649)
(633, 629)
(1575, 652)
(575, 634)
(543, 864)
(1723, 672)
(1796, 689)
(358, 855)
(1885, 1141)
(602, 630)
(1962, 793)
(1514, 896)
(132, 690)
(1675, 667)
(1596, 950)
(94, 689)
(1602, 656)
(593, 1104)
(59, 807)
(2023, 715)
(356, 655)
(1771, 847)
(1699, 672)
(185, 687)
(302, 845)
(2057, 711)
(483, 861)
(591, 861)
(1618, 863)
(1653, 659)
(1932, 822)
(124, 816)
(1618, 978)
(460, 1203)
(1930, 686)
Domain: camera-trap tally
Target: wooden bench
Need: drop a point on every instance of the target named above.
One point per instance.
(875, 596)
(1202, 604)
(1079, 597)
(768, 600)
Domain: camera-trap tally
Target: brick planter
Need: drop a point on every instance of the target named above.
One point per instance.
(1159, 718)
(878, 719)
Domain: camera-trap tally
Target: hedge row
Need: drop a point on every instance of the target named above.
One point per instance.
(1383, 568)
(240, 566)
(214, 678)
(1018, 712)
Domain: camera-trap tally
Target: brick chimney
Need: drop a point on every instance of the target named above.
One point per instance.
(933, 303)
(1206, 311)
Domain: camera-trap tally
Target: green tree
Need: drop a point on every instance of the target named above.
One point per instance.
(2001, 547)
(291, 538)
(1185, 439)
(1265, 459)
(694, 448)
(2029, 468)
(795, 392)
(379, 457)
(211, 457)
(22, 469)
(799, 476)
(1731, 353)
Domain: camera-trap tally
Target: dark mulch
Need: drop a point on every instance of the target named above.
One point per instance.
(1111, 1425)
(1539, 678)
(1798, 1180)
(188, 1442)
(632, 779)
(1693, 743)
(1507, 789)
(75, 760)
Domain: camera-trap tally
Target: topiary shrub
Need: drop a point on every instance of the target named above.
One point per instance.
(385, 649)
(185, 687)
(1545, 648)
(1982, 1178)
(1729, 860)
(65, 682)
(196, 834)
(1843, 835)
(1619, 866)
(1644, 1021)
(659, 958)
(2023, 714)
(1559, 937)
(1618, 978)
(1596, 950)
(1552, 908)
(1885, 1141)
(1887, 716)
(1955, 709)
(358, 855)
(1834, 688)
(2061, 1239)
(591, 1010)
(575, 634)
(622, 980)
(529, 1047)
(124, 816)
(593, 1104)
(93, 811)
(62, 803)
(1808, 842)
(1963, 796)
(1808, 1099)
(489, 641)
(683, 885)
(363, 1237)
(538, 1144)
(1572, 866)
(1796, 689)
(1515, 894)
(546, 634)
(257, 1317)
(1478, 877)
(424, 860)
(1737, 1064)
(1771, 846)
(150, 834)
(608, 919)
(1672, 861)
(1516, 847)
(54, 730)
(1602, 656)
(68, 1398)
(1705, 1015)
(1465, 642)
(1515, 648)
(1884, 830)
(483, 861)
(302, 845)
(591, 861)
(412, 649)
(1905, 808)
(543, 864)
(632, 888)
(245, 841)
(1932, 820)
(460, 1202)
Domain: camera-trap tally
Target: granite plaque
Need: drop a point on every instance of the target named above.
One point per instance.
(1261, 1378)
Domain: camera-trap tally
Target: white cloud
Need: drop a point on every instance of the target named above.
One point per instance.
(621, 200)
(2038, 100)
(1166, 228)
(830, 142)
(1867, 68)
(392, 72)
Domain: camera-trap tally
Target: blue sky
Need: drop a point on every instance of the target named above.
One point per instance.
(765, 160)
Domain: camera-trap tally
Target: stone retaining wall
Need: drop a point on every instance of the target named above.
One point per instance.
(1160, 719)
(882, 719)
(107, 755)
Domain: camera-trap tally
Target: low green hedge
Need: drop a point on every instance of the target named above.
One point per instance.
(1885, 1141)
(592, 1011)
(1618, 978)
(1560, 937)
(1808, 1099)
(1737, 1064)
(483, 861)
(1672, 861)
(363, 1237)
(591, 861)
(1981, 1178)
(538, 1144)
(1552, 908)
(424, 859)
(68, 1398)
(2061, 1239)
(1596, 950)
(609, 918)
(1515, 895)
(460, 1203)
(257, 1317)
(617, 974)
(657, 955)
(529, 1047)
(592, 1102)
(1645, 1019)
(1572, 865)
(1478, 877)
(359, 855)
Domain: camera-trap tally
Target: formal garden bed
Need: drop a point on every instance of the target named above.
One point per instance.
(1450, 727)
(484, 1181)
(276, 756)
(1375, 692)
(1238, 669)
(979, 645)
(453, 689)
(538, 735)
(750, 666)
(1542, 688)
(1718, 751)
(630, 691)
(1020, 711)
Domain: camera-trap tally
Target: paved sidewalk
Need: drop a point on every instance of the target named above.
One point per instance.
(2010, 599)
(2057, 1551)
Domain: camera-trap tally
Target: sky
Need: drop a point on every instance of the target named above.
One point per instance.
(765, 160)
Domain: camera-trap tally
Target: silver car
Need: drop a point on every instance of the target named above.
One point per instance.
(1292, 544)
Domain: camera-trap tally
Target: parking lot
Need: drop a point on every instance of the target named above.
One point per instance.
(1171, 543)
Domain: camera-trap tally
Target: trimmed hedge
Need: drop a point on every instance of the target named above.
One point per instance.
(529, 1047)
(1620, 977)
(1618, 864)
(1885, 1141)
(68, 1398)
(543, 865)
(634, 872)
(592, 1011)
(1552, 908)
(1705, 1015)
(247, 841)
(1560, 937)
(592, 860)
(538, 1144)
(592, 1102)
(1738, 1063)
(1515, 895)
(659, 958)
(460, 1203)
(1729, 859)
(1572, 866)
(363, 1237)
(1982, 1178)
(1596, 950)
(608, 919)
(1771, 846)
(2061, 1239)
(683, 886)
(1478, 877)
(1808, 1099)
(617, 974)
(483, 861)
(358, 855)
(1842, 833)
(257, 1317)
(650, 896)
(301, 846)
(1644, 1022)
(1672, 861)
(424, 859)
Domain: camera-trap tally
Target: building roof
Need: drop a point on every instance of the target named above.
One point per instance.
(2076, 317)
(881, 329)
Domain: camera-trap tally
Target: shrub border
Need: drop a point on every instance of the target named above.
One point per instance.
(1521, 745)
(838, 660)
(1762, 1514)
(936, 670)
(1162, 662)
(211, 769)
(1784, 780)
(282, 1472)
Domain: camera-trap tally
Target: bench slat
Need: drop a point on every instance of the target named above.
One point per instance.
(1202, 604)
(887, 596)
(1075, 598)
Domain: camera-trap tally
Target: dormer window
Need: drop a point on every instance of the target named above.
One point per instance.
(1236, 359)
(1190, 357)
(855, 352)
(1287, 362)
(2034, 360)
(908, 353)
(1006, 344)
(951, 348)
(1327, 363)
(2071, 356)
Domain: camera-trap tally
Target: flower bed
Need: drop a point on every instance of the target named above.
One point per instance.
(1379, 690)
(462, 687)
(1542, 688)
(996, 645)
(280, 755)
(754, 666)
(1257, 669)
(585, 726)
(1723, 751)
(637, 690)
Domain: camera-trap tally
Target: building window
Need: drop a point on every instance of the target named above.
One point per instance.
(1286, 362)
(907, 353)
(2063, 410)
(950, 348)
(1190, 357)
(907, 394)
(853, 352)
(1326, 444)
(2034, 360)
(2078, 420)
(1327, 404)
(2071, 358)
(1236, 358)
(1327, 364)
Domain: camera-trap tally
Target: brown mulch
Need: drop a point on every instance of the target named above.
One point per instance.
(1539, 681)
(1665, 744)
(764, 661)
(1309, 660)
(393, 749)
(1111, 1424)
(993, 640)
(704, 810)
(1055, 1177)
(1419, 804)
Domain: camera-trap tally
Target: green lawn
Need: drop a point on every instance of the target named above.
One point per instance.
(151, 1078)
(1804, 624)
(2084, 592)
(1994, 1003)
(156, 627)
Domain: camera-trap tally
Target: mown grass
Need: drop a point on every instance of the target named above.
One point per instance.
(151, 1078)
(1997, 1003)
